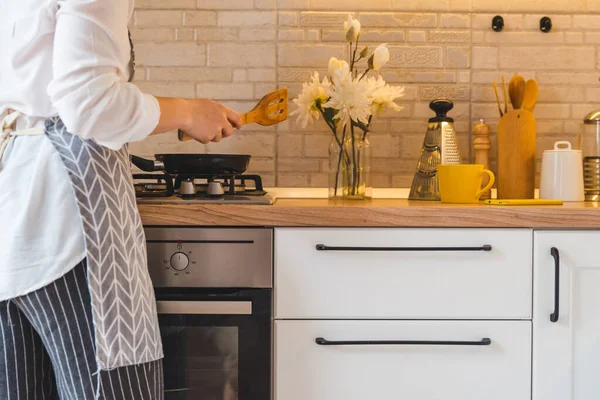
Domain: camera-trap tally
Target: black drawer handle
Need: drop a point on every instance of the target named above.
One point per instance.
(322, 247)
(324, 342)
(556, 255)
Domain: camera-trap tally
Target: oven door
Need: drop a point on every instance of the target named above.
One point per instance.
(217, 345)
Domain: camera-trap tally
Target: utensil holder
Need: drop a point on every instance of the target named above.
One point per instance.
(516, 155)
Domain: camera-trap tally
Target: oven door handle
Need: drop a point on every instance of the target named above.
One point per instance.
(205, 307)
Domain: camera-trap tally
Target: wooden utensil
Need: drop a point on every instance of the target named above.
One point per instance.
(498, 99)
(270, 110)
(505, 95)
(516, 90)
(531, 95)
(516, 155)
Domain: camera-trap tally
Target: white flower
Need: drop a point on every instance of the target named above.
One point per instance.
(352, 29)
(380, 57)
(313, 93)
(339, 68)
(351, 98)
(383, 96)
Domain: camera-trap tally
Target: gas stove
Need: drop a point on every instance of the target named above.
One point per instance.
(200, 189)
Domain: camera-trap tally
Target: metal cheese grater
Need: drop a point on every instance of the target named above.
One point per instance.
(439, 147)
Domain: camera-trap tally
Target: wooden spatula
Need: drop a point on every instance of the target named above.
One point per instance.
(531, 95)
(516, 90)
(270, 110)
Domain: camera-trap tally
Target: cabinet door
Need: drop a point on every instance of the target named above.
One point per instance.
(566, 328)
(493, 361)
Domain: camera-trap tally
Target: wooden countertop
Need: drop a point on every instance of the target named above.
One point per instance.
(373, 213)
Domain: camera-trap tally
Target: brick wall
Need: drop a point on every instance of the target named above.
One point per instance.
(237, 50)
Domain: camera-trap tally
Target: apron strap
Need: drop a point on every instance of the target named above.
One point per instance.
(7, 129)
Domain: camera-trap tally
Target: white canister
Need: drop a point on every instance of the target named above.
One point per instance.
(562, 174)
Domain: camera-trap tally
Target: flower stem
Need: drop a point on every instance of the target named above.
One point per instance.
(337, 172)
(353, 182)
(365, 73)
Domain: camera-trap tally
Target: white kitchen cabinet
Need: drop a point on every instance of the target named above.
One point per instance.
(402, 274)
(566, 353)
(305, 370)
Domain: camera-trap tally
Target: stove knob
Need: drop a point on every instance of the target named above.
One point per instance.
(187, 188)
(215, 189)
(179, 261)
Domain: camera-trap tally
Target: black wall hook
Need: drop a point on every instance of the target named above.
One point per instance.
(498, 23)
(545, 24)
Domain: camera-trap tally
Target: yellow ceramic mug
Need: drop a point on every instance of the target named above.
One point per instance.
(461, 183)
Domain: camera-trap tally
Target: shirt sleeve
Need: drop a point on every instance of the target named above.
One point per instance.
(89, 86)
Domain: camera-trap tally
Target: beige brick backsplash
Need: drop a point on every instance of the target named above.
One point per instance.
(158, 18)
(200, 18)
(292, 180)
(349, 4)
(452, 92)
(291, 35)
(190, 74)
(322, 19)
(288, 19)
(205, 35)
(170, 54)
(152, 34)
(379, 36)
(165, 4)
(290, 145)
(225, 4)
(547, 58)
(235, 51)
(247, 18)
(455, 21)
(529, 5)
(484, 57)
(301, 55)
(457, 57)
(257, 35)
(298, 165)
(573, 37)
(417, 36)
(225, 91)
(164, 89)
(402, 20)
(242, 55)
(253, 143)
(447, 36)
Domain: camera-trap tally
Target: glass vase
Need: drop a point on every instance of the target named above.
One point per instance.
(350, 166)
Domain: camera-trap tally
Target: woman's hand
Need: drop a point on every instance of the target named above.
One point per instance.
(203, 119)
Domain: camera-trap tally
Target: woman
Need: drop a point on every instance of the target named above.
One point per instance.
(77, 312)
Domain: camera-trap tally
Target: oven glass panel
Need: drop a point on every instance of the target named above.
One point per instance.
(201, 362)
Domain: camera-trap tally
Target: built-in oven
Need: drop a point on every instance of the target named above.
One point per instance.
(214, 299)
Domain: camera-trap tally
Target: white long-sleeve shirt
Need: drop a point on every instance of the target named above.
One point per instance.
(69, 59)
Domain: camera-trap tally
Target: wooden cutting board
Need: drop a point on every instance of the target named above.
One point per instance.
(516, 155)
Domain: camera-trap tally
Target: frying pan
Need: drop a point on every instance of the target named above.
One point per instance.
(199, 164)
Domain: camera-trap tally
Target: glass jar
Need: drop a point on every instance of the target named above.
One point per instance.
(350, 166)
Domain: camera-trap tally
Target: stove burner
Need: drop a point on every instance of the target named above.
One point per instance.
(201, 188)
(154, 188)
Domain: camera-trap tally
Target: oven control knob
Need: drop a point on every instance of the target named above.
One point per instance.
(179, 261)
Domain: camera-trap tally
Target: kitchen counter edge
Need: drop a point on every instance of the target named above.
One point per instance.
(373, 213)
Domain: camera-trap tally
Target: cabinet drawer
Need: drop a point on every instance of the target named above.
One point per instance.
(498, 371)
(419, 273)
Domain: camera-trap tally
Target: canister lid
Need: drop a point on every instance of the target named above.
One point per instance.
(592, 118)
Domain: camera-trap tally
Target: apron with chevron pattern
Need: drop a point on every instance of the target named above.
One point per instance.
(123, 303)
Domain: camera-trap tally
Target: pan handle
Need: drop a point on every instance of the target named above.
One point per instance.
(147, 165)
